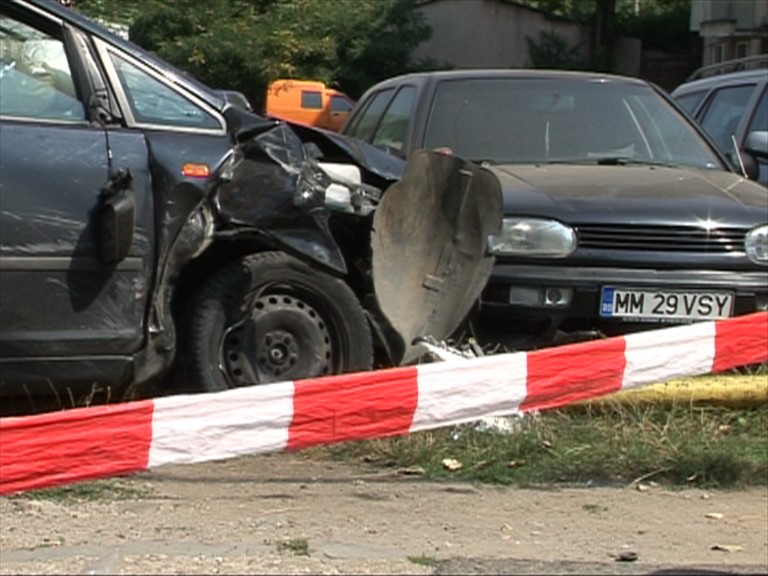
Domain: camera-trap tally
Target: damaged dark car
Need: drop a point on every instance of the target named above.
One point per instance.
(149, 228)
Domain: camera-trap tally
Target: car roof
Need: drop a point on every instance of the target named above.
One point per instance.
(727, 79)
(479, 73)
(54, 8)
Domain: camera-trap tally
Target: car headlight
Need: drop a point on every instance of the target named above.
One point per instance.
(756, 244)
(533, 237)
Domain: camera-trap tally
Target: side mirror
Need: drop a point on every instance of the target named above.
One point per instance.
(116, 219)
(756, 143)
(751, 167)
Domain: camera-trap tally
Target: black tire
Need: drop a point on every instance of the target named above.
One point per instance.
(269, 318)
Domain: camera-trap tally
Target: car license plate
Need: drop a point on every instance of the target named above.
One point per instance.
(652, 304)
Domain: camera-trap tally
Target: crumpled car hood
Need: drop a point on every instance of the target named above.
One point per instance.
(370, 158)
(428, 235)
(657, 194)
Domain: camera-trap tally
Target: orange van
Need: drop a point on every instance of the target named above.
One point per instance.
(308, 102)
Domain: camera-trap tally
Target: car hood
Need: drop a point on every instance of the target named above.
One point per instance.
(638, 194)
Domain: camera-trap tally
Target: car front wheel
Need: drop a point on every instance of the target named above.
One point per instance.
(269, 318)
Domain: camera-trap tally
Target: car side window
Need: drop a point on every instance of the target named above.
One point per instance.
(689, 102)
(340, 104)
(155, 103)
(35, 76)
(760, 119)
(367, 121)
(724, 112)
(393, 127)
(311, 99)
(760, 122)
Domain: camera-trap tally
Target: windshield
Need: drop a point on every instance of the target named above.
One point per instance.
(534, 120)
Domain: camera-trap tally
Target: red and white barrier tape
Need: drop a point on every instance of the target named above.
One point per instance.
(79, 444)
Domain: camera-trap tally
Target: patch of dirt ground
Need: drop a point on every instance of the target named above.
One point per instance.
(287, 514)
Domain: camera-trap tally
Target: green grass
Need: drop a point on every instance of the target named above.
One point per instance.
(422, 560)
(295, 546)
(678, 445)
(109, 489)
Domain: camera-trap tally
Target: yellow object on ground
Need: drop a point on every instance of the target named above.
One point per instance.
(721, 389)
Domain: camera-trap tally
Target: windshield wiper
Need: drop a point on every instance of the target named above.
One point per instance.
(623, 161)
(613, 161)
(564, 161)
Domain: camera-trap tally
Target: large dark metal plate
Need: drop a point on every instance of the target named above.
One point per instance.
(429, 245)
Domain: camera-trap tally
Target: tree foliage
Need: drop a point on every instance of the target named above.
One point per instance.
(116, 11)
(661, 23)
(584, 11)
(553, 52)
(581, 11)
(245, 44)
(666, 27)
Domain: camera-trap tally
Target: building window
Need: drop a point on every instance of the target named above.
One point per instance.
(742, 49)
(718, 53)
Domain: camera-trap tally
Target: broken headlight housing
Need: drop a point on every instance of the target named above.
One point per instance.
(756, 244)
(533, 238)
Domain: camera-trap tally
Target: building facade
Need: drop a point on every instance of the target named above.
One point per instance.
(730, 29)
(498, 34)
(491, 33)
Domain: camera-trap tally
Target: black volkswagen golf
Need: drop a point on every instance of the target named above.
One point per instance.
(619, 212)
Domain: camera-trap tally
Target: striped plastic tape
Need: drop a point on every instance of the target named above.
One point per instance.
(80, 444)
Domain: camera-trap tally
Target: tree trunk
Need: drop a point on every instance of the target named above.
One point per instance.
(604, 16)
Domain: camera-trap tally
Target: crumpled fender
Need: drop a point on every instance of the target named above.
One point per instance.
(275, 190)
(430, 258)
